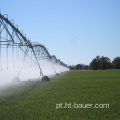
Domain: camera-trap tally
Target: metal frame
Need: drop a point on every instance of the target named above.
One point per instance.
(18, 42)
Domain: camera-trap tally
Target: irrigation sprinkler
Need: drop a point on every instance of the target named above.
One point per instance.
(20, 49)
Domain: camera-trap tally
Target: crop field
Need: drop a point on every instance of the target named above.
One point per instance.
(75, 95)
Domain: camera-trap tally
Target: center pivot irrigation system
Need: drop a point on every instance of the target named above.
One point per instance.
(15, 44)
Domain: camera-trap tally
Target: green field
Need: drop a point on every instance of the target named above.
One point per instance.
(38, 101)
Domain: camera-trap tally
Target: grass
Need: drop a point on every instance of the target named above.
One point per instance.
(37, 100)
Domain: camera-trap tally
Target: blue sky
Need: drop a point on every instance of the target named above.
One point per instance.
(75, 31)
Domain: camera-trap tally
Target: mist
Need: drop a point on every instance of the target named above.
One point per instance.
(28, 70)
(22, 59)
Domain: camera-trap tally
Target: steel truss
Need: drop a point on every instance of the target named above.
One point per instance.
(12, 38)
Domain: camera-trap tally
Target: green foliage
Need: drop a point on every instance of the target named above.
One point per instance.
(37, 100)
(116, 63)
(78, 66)
(100, 63)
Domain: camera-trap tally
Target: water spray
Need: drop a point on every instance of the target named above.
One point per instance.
(18, 47)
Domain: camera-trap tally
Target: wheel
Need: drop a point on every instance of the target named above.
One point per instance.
(45, 79)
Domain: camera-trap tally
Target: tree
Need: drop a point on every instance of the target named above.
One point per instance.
(100, 63)
(78, 66)
(93, 65)
(71, 68)
(116, 63)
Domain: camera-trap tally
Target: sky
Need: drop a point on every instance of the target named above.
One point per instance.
(75, 31)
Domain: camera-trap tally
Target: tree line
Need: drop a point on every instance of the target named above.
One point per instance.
(79, 67)
(99, 63)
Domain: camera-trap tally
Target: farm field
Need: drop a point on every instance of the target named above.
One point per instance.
(75, 95)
